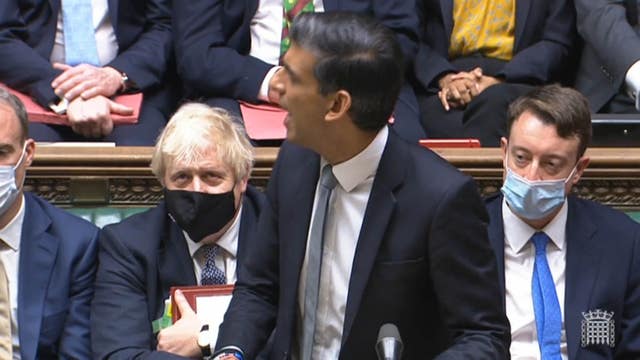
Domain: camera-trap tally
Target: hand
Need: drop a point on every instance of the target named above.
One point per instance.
(92, 118)
(86, 81)
(488, 81)
(457, 90)
(181, 338)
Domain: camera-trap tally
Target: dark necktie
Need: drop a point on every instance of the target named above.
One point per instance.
(314, 260)
(545, 302)
(211, 274)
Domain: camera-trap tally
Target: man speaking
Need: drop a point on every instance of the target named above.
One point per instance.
(362, 229)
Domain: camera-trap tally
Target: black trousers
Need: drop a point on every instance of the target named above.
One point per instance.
(484, 118)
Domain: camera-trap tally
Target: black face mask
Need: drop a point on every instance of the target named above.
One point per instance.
(200, 214)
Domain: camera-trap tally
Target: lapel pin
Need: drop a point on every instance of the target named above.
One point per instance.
(598, 328)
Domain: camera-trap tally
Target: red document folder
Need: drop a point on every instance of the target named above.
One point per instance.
(40, 114)
(193, 292)
(450, 143)
(264, 121)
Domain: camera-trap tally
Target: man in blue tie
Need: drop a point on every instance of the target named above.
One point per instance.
(198, 235)
(74, 56)
(570, 268)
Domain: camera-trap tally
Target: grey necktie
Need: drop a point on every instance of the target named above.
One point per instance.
(5, 316)
(314, 260)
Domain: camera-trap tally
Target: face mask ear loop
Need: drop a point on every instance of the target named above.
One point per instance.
(571, 174)
(24, 148)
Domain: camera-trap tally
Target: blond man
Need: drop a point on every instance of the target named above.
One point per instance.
(196, 236)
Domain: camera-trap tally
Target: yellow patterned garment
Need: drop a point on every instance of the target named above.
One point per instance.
(483, 26)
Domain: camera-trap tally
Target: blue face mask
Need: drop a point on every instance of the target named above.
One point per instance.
(8, 189)
(534, 200)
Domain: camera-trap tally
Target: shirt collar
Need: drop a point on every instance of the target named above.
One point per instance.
(517, 233)
(228, 241)
(12, 232)
(354, 171)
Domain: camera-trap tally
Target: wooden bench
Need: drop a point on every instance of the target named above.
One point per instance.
(121, 177)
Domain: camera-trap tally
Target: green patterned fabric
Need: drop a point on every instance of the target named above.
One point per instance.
(291, 8)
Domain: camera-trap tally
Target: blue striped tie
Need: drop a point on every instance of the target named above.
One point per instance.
(545, 302)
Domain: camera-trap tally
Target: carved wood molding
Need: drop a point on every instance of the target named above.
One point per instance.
(121, 176)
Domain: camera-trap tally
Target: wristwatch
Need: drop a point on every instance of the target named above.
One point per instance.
(204, 341)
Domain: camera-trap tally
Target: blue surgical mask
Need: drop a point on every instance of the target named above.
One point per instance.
(534, 200)
(9, 190)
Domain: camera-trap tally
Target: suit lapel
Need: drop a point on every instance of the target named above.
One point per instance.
(522, 10)
(582, 268)
(113, 15)
(38, 252)
(446, 6)
(175, 264)
(380, 208)
(300, 215)
(496, 236)
(330, 5)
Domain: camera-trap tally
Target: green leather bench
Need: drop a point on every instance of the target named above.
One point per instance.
(102, 216)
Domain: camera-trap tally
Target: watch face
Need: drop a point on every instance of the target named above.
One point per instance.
(204, 339)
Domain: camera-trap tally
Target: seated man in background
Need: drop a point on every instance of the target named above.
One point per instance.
(570, 268)
(199, 234)
(73, 56)
(477, 56)
(609, 69)
(229, 50)
(47, 258)
(362, 229)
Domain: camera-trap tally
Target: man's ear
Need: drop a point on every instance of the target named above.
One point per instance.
(29, 152)
(339, 105)
(582, 164)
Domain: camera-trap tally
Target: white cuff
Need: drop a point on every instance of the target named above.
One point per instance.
(264, 88)
(632, 81)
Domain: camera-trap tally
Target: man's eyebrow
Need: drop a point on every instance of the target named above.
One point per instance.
(289, 70)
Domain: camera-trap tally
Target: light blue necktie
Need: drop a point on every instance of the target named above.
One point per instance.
(545, 302)
(211, 274)
(79, 34)
(314, 260)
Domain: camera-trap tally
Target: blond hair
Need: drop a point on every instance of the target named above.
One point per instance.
(196, 128)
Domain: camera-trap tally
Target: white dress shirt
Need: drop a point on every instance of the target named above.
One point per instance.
(106, 41)
(632, 82)
(519, 257)
(10, 254)
(266, 34)
(343, 221)
(225, 260)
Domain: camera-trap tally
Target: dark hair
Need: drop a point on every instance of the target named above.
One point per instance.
(18, 108)
(562, 107)
(357, 54)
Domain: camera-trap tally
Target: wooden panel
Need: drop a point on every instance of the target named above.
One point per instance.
(121, 176)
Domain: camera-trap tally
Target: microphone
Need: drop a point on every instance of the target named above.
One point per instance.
(389, 345)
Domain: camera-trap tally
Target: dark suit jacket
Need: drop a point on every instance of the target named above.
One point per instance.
(422, 262)
(611, 46)
(213, 40)
(544, 37)
(55, 282)
(140, 259)
(27, 33)
(602, 272)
